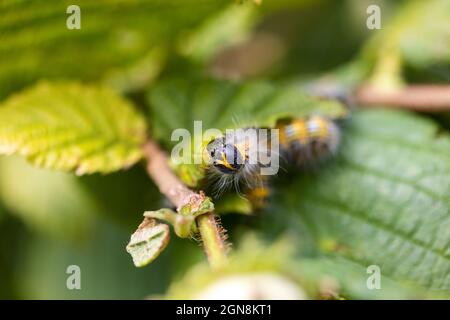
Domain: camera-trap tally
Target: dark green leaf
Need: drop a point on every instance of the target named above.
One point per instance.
(383, 201)
(119, 40)
(225, 105)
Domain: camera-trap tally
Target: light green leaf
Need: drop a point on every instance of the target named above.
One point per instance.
(69, 126)
(225, 105)
(419, 35)
(383, 201)
(422, 32)
(149, 240)
(115, 36)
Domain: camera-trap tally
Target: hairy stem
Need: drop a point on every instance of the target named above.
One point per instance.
(212, 238)
(179, 194)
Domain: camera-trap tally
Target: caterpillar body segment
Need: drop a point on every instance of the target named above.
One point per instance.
(308, 141)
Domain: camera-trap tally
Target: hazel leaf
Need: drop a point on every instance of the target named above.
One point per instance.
(72, 127)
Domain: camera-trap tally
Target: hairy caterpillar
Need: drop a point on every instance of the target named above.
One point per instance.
(303, 143)
(231, 163)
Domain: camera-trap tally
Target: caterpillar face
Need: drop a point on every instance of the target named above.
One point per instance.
(225, 157)
(309, 140)
(230, 165)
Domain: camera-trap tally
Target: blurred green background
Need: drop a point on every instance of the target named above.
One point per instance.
(50, 220)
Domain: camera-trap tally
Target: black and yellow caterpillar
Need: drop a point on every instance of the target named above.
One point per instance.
(303, 143)
(308, 141)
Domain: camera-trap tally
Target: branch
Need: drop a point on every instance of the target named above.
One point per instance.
(424, 98)
(169, 184)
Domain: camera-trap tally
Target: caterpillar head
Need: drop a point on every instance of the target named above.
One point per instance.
(225, 157)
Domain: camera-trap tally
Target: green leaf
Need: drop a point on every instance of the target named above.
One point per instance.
(117, 39)
(149, 240)
(383, 201)
(225, 105)
(422, 31)
(349, 280)
(228, 27)
(419, 35)
(68, 126)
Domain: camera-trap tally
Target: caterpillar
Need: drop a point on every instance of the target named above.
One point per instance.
(308, 141)
(229, 157)
(303, 143)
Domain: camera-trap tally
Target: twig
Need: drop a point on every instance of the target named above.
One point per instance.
(424, 98)
(167, 182)
(179, 194)
(212, 239)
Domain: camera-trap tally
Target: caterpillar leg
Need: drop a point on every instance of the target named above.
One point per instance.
(258, 197)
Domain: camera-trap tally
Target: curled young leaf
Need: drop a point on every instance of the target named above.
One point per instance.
(148, 241)
(183, 222)
(197, 205)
